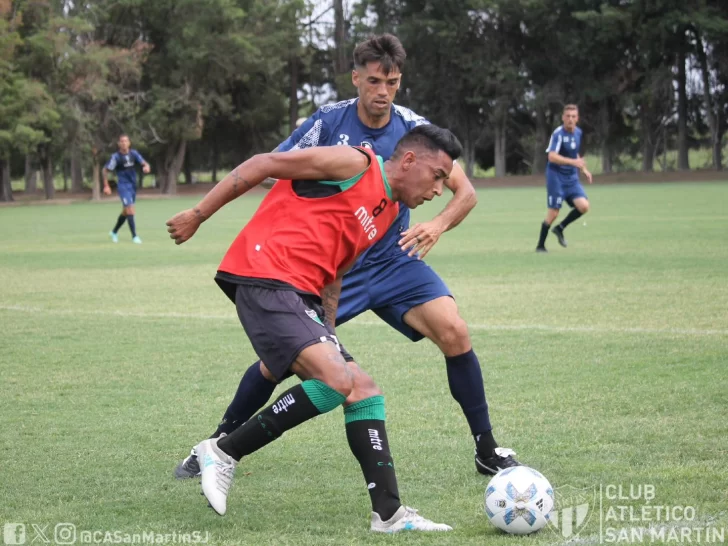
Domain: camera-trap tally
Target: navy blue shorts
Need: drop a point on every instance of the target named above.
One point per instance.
(560, 189)
(390, 289)
(127, 194)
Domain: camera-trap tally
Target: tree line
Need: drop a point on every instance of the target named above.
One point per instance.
(203, 84)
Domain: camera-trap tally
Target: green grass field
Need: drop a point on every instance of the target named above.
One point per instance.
(605, 363)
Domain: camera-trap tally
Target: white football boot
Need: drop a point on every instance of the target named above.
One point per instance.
(405, 519)
(217, 469)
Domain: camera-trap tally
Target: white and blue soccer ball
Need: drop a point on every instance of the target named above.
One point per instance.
(518, 500)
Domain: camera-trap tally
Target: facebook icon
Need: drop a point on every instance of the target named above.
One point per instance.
(14, 533)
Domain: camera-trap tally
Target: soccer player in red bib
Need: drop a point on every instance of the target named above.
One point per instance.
(329, 206)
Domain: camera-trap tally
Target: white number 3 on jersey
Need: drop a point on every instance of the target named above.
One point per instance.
(344, 140)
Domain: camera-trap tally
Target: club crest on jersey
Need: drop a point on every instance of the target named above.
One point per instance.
(366, 144)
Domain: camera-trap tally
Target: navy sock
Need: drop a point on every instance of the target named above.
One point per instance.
(542, 237)
(573, 215)
(252, 394)
(466, 385)
(132, 225)
(119, 222)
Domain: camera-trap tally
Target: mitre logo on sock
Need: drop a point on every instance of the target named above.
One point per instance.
(375, 440)
(283, 403)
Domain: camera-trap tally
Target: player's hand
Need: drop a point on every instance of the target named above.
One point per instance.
(183, 225)
(579, 163)
(146, 169)
(588, 175)
(420, 238)
(107, 190)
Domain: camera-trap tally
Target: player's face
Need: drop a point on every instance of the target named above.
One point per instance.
(570, 119)
(426, 173)
(376, 89)
(124, 144)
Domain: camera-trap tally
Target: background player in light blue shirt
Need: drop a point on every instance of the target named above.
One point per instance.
(389, 279)
(123, 163)
(562, 177)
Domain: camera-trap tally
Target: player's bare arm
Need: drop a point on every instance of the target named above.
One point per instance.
(329, 163)
(105, 176)
(331, 294)
(146, 169)
(420, 238)
(561, 160)
(586, 172)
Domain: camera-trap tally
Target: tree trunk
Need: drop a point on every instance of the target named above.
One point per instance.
(46, 164)
(340, 59)
(683, 160)
(31, 175)
(469, 156)
(96, 182)
(712, 119)
(718, 151)
(606, 123)
(187, 167)
(76, 169)
(607, 160)
(293, 94)
(215, 154)
(6, 189)
(160, 173)
(95, 175)
(173, 160)
(500, 146)
(648, 143)
(538, 165)
(64, 173)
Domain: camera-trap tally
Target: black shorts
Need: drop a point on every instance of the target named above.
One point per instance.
(282, 323)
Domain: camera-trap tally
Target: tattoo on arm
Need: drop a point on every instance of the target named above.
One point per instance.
(238, 183)
(198, 213)
(330, 301)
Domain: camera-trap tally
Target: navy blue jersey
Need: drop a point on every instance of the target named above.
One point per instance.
(566, 145)
(123, 166)
(339, 124)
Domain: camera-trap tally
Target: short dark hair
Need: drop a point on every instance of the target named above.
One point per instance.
(430, 137)
(571, 107)
(385, 49)
(122, 135)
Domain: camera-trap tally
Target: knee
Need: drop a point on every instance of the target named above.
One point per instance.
(452, 337)
(364, 387)
(583, 207)
(341, 382)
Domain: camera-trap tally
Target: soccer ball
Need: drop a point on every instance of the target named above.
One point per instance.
(518, 500)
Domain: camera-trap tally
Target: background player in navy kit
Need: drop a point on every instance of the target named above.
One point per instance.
(402, 290)
(123, 163)
(562, 177)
